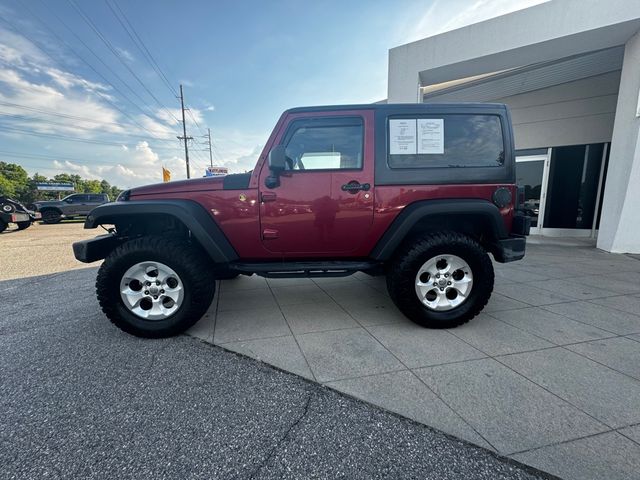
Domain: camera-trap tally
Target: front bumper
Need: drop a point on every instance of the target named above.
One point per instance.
(94, 249)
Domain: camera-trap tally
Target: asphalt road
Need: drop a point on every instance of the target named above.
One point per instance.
(80, 399)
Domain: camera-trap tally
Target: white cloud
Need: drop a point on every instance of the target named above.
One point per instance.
(126, 54)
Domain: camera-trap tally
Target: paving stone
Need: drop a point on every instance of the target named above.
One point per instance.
(529, 293)
(627, 303)
(204, 328)
(494, 337)
(236, 325)
(243, 282)
(344, 354)
(600, 316)
(381, 315)
(620, 283)
(303, 294)
(609, 396)
(281, 352)
(551, 326)
(570, 287)
(512, 413)
(631, 432)
(315, 317)
(403, 393)
(289, 282)
(512, 274)
(246, 299)
(607, 456)
(621, 354)
(416, 346)
(499, 302)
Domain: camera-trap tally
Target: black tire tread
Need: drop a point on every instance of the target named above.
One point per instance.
(189, 256)
(400, 278)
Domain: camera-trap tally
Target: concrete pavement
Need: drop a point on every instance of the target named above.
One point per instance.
(80, 399)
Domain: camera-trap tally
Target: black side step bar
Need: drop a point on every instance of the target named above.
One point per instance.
(303, 269)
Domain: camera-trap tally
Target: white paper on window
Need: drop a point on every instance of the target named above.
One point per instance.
(431, 136)
(402, 136)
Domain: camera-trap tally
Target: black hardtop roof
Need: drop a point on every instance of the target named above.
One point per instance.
(409, 107)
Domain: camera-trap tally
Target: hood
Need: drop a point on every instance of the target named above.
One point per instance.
(193, 185)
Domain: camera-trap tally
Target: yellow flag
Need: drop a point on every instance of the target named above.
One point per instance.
(166, 175)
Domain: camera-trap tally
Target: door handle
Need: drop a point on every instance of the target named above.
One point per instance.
(268, 197)
(354, 187)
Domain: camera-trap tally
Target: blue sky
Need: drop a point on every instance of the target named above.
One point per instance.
(241, 63)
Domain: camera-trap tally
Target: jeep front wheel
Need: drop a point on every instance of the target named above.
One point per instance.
(51, 216)
(155, 287)
(442, 281)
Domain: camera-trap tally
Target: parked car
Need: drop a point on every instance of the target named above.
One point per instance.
(419, 193)
(12, 211)
(71, 206)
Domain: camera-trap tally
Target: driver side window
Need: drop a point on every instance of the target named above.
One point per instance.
(325, 144)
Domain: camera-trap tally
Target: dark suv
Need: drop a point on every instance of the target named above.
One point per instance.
(75, 205)
(419, 193)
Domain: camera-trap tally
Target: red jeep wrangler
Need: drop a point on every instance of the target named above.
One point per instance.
(419, 193)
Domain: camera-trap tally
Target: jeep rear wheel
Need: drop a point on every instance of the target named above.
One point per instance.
(442, 281)
(3, 226)
(155, 287)
(51, 216)
(23, 225)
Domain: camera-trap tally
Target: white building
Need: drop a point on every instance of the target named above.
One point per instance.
(570, 72)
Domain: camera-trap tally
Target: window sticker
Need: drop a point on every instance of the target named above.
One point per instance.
(431, 136)
(402, 136)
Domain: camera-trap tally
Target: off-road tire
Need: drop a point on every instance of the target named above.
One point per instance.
(189, 262)
(51, 216)
(23, 225)
(402, 273)
(3, 226)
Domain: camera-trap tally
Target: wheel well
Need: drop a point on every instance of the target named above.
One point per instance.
(133, 226)
(475, 226)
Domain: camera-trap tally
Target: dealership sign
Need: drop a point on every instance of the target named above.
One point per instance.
(216, 171)
(55, 187)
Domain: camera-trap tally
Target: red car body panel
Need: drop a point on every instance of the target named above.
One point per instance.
(308, 215)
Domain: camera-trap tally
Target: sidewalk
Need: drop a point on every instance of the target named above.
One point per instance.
(548, 374)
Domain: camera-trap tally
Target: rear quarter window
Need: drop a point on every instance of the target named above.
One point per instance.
(447, 140)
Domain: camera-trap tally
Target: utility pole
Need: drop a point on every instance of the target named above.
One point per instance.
(210, 154)
(184, 132)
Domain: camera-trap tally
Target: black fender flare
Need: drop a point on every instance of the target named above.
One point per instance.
(424, 209)
(197, 220)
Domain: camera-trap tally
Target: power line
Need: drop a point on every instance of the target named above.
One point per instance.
(131, 31)
(113, 50)
(45, 121)
(74, 117)
(102, 96)
(72, 139)
(66, 44)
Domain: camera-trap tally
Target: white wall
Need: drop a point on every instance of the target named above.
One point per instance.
(553, 30)
(620, 221)
(572, 113)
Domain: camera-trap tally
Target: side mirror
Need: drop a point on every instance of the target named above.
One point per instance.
(277, 159)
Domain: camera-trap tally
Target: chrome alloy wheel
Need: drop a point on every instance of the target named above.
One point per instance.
(151, 290)
(444, 282)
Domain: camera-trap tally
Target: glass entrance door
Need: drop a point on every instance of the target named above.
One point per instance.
(574, 182)
(531, 173)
